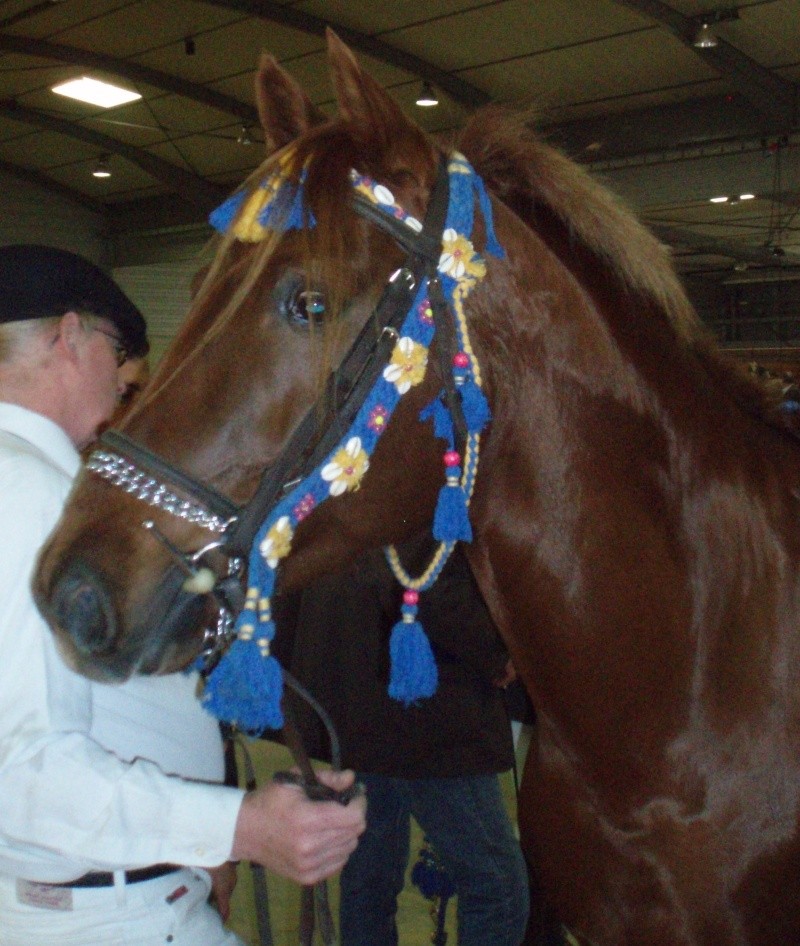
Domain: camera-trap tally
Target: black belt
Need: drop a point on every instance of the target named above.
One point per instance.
(104, 879)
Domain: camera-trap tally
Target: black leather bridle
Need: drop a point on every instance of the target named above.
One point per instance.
(144, 474)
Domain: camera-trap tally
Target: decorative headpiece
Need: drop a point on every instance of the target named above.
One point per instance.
(246, 686)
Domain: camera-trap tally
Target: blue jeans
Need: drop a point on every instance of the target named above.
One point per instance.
(466, 822)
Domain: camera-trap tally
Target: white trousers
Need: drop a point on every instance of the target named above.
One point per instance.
(168, 911)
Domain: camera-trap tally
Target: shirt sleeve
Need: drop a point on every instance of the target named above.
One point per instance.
(66, 804)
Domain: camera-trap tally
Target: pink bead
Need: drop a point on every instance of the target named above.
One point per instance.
(461, 360)
(452, 458)
(410, 596)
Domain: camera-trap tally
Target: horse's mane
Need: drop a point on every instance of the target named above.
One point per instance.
(526, 173)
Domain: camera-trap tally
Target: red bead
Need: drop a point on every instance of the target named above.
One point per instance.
(461, 360)
(452, 458)
(410, 596)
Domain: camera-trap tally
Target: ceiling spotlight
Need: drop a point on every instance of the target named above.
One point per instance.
(244, 136)
(103, 167)
(705, 37)
(427, 97)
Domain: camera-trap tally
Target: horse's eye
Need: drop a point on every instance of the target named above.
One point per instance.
(306, 307)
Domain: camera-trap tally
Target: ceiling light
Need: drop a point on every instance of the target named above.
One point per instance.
(95, 92)
(718, 200)
(244, 136)
(102, 168)
(747, 196)
(705, 37)
(427, 97)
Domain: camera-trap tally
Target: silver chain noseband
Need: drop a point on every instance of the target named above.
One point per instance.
(141, 485)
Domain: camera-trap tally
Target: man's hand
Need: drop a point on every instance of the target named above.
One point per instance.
(303, 840)
(223, 882)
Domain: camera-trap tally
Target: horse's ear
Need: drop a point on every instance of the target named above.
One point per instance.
(285, 111)
(370, 111)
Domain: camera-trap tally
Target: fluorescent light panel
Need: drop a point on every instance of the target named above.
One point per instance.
(724, 199)
(95, 92)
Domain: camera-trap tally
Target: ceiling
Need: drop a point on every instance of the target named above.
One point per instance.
(617, 82)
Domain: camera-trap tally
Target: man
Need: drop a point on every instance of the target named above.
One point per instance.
(103, 790)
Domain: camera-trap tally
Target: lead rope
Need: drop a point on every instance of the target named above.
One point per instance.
(260, 891)
(315, 908)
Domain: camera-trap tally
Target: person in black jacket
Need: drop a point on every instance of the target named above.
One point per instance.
(437, 760)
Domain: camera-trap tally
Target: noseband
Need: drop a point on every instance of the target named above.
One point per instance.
(162, 485)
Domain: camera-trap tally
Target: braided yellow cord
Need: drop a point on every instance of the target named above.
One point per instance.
(403, 576)
(471, 450)
(458, 307)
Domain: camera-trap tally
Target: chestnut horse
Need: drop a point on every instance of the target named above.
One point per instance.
(634, 514)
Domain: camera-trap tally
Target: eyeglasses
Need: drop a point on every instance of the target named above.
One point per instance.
(120, 349)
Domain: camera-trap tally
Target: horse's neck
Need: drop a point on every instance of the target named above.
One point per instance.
(624, 507)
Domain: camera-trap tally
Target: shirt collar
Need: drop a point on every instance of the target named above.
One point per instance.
(42, 433)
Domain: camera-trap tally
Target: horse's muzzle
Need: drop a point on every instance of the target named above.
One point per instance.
(93, 639)
(83, 611)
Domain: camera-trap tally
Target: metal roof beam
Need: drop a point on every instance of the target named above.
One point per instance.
(774, 97)
(714, 247)
(193, 188)
(47, 183)
(132, 71)
(458, 89)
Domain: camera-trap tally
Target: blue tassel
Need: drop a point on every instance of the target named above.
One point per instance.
(430, 877)
(492, 244)
(246, 688)
(451, 516)
(285, 211)
(223, 216)
(442, 421)
(413, 669)
(476, 409)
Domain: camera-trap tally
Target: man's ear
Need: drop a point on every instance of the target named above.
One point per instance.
(70, 333)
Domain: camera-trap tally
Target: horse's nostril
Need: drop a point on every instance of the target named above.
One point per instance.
(83, 612)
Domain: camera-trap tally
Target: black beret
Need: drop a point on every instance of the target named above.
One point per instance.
(41, 281)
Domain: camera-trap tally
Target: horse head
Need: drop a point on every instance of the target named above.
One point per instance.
(271, 321)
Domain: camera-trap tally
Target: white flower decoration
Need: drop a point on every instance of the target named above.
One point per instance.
(407, 366)
(277, 543)
(348, 466)
(383, 195)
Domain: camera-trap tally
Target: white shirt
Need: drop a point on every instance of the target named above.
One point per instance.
(80, 788)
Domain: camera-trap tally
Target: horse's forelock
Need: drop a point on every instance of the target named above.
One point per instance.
(329, 249)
